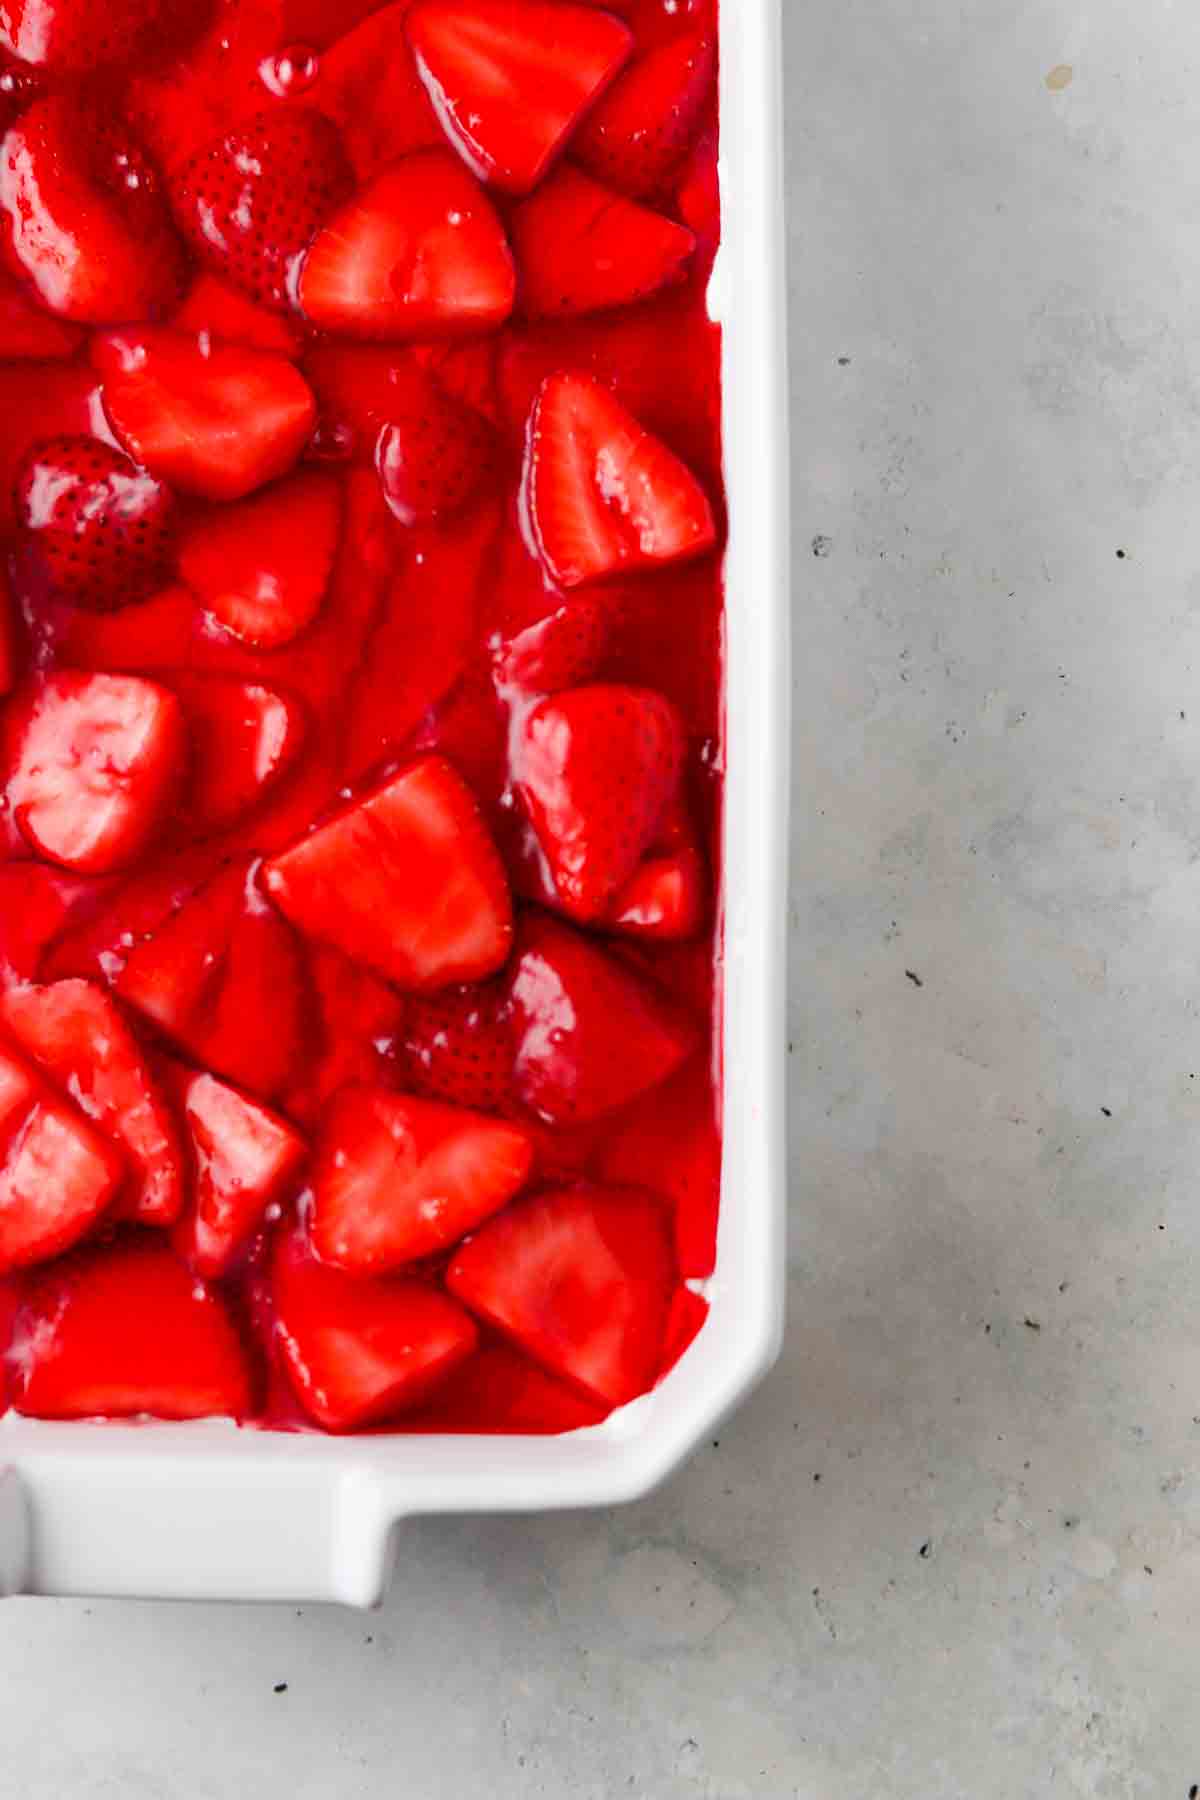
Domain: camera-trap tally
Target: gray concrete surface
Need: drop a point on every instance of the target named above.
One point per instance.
(952, 1549)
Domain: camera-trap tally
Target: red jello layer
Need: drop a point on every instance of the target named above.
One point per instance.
(360, 753)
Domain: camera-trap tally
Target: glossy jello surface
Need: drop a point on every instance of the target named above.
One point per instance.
(360, 741)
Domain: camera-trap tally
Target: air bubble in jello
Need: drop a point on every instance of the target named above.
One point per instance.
(291, 71)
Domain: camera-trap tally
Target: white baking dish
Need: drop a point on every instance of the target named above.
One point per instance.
(208, 1511)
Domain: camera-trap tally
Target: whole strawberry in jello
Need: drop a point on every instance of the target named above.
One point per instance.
(96, 529)
(251, 203)
(85, 220)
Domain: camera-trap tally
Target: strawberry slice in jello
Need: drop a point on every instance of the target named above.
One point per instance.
(74, 1032)
(128, 1330)
(245, 1157)
(97, 531)
(244, 738)
(582, 248)
(405, 879)
(58, 1174)
(262, 565)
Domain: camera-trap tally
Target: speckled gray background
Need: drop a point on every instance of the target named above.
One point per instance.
(951, 1551)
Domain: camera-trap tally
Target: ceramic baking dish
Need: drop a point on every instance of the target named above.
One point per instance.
(209, 1511)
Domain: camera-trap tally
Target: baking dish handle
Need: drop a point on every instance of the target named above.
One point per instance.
(14, 1534)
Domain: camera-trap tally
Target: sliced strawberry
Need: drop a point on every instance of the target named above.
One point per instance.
(93, 940)
(419, 252)
(405, 879)
(40, 400)
(57, 1173)
(214, 307)
(465, 368)
(581, 248)
(369, 86)
(469, 728)
(80, 35)
(582, 1279)
(664, 898)
(563, 649)
(434, 453)
(97, 530)
(597, 768)
(360, 1349)
(158, 633)
(84, 217)
(510, 79)
(244, 738)
(223, 977)
(670, 1141)
(75, 1034)
(395, 1179)
(27, 330)
(185, 102)
(213, 419)
(590, 1035)
(94, 763)
(639, 134)
(600, 494)
(128, 1330)
(36, 904)
(458, 1046)
(499, 1392)
(261, 567)
(698, 196)
(245, 1158)
(358, 1019)
(250, 204)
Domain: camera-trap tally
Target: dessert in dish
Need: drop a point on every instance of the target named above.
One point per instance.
(360, 748)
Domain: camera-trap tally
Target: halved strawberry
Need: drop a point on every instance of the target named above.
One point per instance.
(601, 494)
(510, 79)
(597, 768)
(27, 330)
(244, 738)
(261, 567)
(639, 134)
(93, 765)
(97, 530)
(84, 217)
(434, 453)
(590, 1035)
(57, 1173)
(405, 879)
(500, 1392)
(80, 35)
(458, 1046)
(250, 204)
(582, 1279)
(40, 400)
(213, 306)
(74, 1032)
(670, 1141)
(582, 248)
(368, 85)
(359, 1349)
(127, 1330)
(357, 1019)
(563, 649)
(213, 419)
(664, 898)
(93, 938)
(224, 978)
(245, 1157)
(418, 252)
(395, 1179)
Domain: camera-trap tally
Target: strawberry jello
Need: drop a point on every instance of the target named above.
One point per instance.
(360, 708)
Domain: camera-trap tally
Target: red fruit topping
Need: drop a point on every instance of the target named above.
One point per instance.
(75, 1034)
(261, 567)
(57, 1173)
(84, 218)
(123, 1331)
(600, 493)
(251, 203)
(10, 637)
(98, 530)
(360, 1349)
(639, 134)
(590, 1035)
(499, 1390)
(370, 88)
(245, 1158)
(510, 79)
(93, 763)
(420, 251)
(358, 1018)
(39, 400)
(458, 1046)
(26, 330)
(244, 738)
(212, 419)
(582, 1279)
(671, 1142)
(223, 312)
(582, 248)
(153, 634)
(561, 650)
(405, 879)
(435, 453)
(597, 768)
(223, 977)
(395, 1179)
(664, 898)
(77, 35)
(36, 904)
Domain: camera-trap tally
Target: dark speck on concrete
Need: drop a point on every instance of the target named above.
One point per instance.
(912, 976)
(1107, 1111)
(926, 1550)
(1032, 1324)
(1121, 555)
(281, 1687)
(1194, 1791)
(843, 362)
(821, 545)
